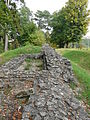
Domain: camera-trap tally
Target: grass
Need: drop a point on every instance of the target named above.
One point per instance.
(37, 63)
(29, 49)
(84, 79)
(28, 64)
(80, 60)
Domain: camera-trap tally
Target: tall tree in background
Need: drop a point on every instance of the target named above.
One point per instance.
(5, 22)
(77, 19)
(8, 19)
(70, 24)
(43, 19)
(59, 25)
(27, 25)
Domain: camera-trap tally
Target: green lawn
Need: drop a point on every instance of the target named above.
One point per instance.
(29, 49)
(80, 60)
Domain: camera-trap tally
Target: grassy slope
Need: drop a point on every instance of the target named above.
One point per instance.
(29, 49)
(80, 60)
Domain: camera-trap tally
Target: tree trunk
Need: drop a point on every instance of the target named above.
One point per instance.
(66, 44)
(72, 45)
(6, 36)
(6, 42)
(7, 3)
(61, 45)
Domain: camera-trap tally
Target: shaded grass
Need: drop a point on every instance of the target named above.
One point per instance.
(84, 80)
(29, 49)
(28, 64)
(37, 62)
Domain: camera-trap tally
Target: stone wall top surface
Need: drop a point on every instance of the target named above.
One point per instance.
(51, 97)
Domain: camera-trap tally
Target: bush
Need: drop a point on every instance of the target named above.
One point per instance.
(15, 44)
(38, 38)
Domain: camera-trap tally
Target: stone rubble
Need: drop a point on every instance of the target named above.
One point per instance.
(51, 97)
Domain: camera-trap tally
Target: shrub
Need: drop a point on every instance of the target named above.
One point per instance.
(38, 38)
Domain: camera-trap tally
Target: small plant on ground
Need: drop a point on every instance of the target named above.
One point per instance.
(33, 63)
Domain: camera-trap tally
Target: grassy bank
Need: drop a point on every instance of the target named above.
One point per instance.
(29, 49)
(84, 79)
(80, 60)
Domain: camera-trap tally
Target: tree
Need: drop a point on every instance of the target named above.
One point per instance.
(47, 37)
(70, 24)
(59, 25)
(7, 19)
(38, 38)
(27, 25)
(43, 19)
(77, 19)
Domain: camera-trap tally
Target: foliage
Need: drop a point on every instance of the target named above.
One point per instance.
(70, 23)
(38, 38)
(18, 26)
(59, 25)
(5, 18)
(28, 27)
(9, 20)
(15, 44)
(47, 37)
(43, 19)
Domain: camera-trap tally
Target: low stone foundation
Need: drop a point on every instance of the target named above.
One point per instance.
(46, 93)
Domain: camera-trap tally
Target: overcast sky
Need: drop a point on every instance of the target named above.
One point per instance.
(50, 5)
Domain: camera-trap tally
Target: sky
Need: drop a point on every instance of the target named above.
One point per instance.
(50, 5)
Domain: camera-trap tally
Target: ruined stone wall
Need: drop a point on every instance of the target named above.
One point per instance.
(56, 64)
(51, 97)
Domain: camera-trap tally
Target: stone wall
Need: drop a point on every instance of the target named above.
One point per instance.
(57, 65)
(51, 97)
